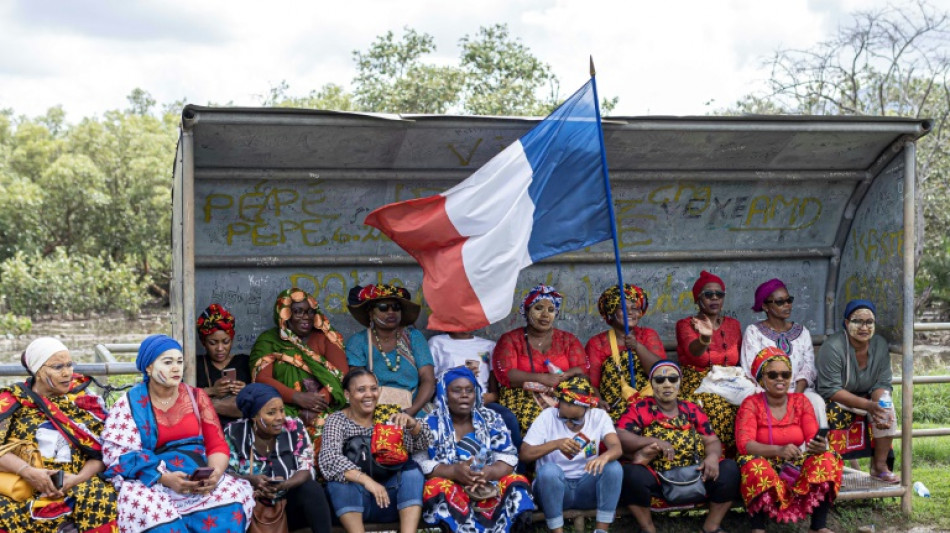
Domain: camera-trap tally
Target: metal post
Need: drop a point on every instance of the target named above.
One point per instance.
(907, 365)
(188, 253)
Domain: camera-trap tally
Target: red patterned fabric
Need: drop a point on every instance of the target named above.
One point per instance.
(387, 445)
(723, 349)
(798, 426)
(460, 505)
(511, 352)
(598, 349)
(763, 491)
(645, 412)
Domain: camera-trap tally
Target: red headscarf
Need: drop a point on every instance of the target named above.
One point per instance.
(766, 355)
(704, 278)
(214, 318)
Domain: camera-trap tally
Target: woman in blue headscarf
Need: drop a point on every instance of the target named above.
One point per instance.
(470, 462)
(854, 371)
(157, 437)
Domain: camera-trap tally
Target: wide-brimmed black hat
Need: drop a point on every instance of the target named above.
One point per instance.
(360, 299)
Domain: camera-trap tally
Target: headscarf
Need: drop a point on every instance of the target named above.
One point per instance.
(541, 292)
(609, 301)
(660, 364)
(215, 318)
(39, 351)
(763, 291)
(446, 447)
(282, 314)
(578, 391)
(764, 357)
(253, 397)
(705, 278)
(151, 348)
(854, 305)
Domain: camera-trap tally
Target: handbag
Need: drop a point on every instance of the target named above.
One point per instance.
(12, 485)
(358, 449)
(683, 484)
(268, 516)
(387, 394)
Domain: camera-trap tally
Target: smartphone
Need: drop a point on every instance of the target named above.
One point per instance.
(57, 478)
(201, 473)
(275, 481)
(822, 433)
(229, 374)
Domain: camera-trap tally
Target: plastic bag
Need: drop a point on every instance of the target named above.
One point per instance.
(730, 382)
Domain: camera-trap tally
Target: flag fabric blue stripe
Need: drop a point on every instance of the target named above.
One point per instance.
(567, 186)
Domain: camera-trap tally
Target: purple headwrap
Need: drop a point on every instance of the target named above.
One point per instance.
(764, 291)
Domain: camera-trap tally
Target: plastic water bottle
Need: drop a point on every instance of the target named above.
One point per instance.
(480, 460)
(921, 490)
(553, 368)
(886, 402)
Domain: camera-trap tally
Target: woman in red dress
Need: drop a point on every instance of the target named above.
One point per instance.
(788, 471)
(520, 361)
(618, 361)
(708, 338)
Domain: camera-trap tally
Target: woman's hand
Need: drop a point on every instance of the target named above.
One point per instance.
(310, 400)
(703, 326)
(569, 447)
(463, 474)
(235, 387)
(405, 421)
(179, 482)
(630, 341)
(789, 452)
(378, 491)
(267, 490)
(666, 449)
(710, 468)
(817, 445)
(205, 486)
(221, 387)
(550, 380)
(39, 479)
(70, 481)
(596, 465)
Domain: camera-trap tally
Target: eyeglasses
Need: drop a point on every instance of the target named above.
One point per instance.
(711, 295)
(60, 368)
(576, 421)
(782, 301)
(384, 307)
(869, 323)
(773, 375)
(304, 312)
(659, 380)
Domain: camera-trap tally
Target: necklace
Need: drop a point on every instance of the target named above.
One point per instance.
(165, 403)
(392, 366)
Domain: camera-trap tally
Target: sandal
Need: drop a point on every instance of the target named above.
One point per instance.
(887, 477)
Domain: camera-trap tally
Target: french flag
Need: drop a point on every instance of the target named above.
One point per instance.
(543, 195)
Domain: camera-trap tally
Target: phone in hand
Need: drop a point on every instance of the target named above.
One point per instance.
(822, 433)
(275, 481)
(201, 473)
(229, 374)
(57, 478)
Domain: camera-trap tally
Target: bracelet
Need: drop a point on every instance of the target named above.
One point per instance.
(25, 466)
(358, 476)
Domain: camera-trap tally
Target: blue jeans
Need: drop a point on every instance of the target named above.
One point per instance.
(555, 493)
(404, 488)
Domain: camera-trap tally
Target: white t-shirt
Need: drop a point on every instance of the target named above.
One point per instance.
(449, 353)
(548, 427)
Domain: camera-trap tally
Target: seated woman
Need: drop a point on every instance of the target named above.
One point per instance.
(56, 421)
(779, 481)
(400, 354)
(704, 340)
(854, 371)
(661, 432)
(395, 494)
(303, 359)
(615, 365)
(794, 339)
(212, 370)
(526, 382)
(157, 437)
(470, 462)
(572, 472)
(273, 453)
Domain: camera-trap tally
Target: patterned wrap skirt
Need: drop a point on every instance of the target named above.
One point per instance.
(722, 414)
(764, 491)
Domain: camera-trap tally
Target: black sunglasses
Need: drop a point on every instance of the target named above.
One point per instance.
(576, 421)
(395, 306)
(663, 379)
(782, 301)
(773, 375)
(709, 295)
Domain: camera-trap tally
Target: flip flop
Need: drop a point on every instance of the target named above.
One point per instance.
(887, 477)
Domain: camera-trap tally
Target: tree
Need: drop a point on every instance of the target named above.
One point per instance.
(888, 62)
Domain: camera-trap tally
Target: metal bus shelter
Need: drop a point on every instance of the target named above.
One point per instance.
(266, 199)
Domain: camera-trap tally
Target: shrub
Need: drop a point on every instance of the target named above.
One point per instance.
(70, 284)
(11, 324)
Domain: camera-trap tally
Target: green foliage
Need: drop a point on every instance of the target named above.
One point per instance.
(11, 324)
(34, 284)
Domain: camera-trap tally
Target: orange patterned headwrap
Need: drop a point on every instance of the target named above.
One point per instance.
(215, 318)
(609, 301)
(578, 391)
(764, 357)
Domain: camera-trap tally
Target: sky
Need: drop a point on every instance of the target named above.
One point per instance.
(683, 57)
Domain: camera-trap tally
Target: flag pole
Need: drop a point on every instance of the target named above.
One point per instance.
(610, 212)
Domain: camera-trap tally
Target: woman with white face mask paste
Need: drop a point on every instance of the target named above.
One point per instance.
(167, 455)
(854, 372)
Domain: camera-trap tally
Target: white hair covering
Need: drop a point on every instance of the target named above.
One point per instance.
(39, 352)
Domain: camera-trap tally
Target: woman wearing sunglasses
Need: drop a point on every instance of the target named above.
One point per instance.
(777, 330)
(662, 432)
(303, 358)
(854, 371)
(788, 470)
(571, 472)
(709, 338)
(390, 347)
